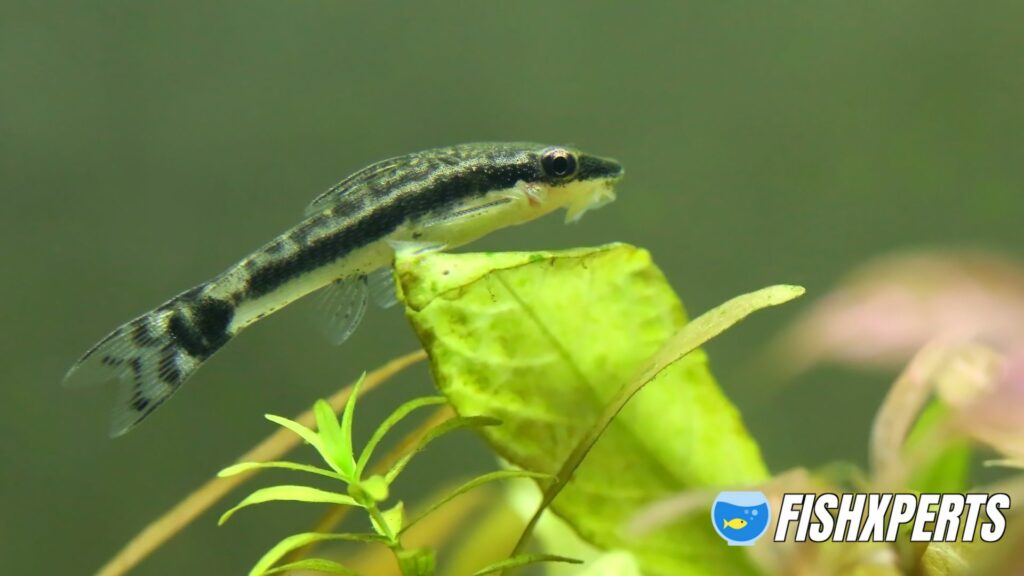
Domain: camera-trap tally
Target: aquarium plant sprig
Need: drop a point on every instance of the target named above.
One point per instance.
(333, 441)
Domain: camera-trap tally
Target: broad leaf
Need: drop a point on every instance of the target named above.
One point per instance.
(544, 341)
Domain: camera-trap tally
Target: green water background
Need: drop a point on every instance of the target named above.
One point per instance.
(144, 146)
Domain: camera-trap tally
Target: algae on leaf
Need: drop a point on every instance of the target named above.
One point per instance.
(542, 342)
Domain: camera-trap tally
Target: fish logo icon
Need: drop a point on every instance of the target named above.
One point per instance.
(740, 518)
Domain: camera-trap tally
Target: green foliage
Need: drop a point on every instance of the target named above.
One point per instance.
(553, 346)
(297, 541)
(291, 493)
(333, 441)
(523, 560)
(949, 469)
(546, 342)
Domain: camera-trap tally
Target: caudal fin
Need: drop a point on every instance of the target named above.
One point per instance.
(152, 356)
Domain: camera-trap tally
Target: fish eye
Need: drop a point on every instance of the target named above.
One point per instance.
(559, 163)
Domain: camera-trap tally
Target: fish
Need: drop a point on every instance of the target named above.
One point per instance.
(345, 246)
(735, 523)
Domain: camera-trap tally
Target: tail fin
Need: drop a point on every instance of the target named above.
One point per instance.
(153, 355)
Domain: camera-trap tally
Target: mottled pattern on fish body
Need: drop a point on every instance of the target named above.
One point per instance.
(428, 200)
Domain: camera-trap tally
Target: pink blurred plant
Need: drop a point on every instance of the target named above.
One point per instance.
(955, 322)
(891, 307)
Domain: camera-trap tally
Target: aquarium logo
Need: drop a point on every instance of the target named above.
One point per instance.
(740, 518)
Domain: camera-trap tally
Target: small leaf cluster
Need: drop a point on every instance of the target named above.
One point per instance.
(364, 490)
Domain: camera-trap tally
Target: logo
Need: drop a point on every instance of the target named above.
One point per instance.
(740, 517)
(883, 517)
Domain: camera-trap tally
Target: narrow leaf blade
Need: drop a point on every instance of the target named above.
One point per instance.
(523, 560)
(474, 483)
(436, 432)
(297, 541)
(311, 438)
(289, 493)
(400, 413)
(248, 466)
(314, 565)
(346, 428)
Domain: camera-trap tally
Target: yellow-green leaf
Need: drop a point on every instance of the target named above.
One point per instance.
(544, 341)
(311, 438)
(247, 466)
(297, 541)
(395, 417)
(314, 565)
(291, 493)
(523, 560)
(474, 483)
(376, 487)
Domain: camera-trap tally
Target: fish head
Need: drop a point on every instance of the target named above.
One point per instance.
(578, 181)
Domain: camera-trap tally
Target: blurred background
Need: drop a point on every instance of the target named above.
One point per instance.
(146, 146)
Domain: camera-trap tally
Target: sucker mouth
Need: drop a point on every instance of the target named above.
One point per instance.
(602, 194)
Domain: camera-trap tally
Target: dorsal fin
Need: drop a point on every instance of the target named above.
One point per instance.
(335, 194)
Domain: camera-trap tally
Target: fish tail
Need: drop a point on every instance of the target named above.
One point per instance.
(153, 355)
(725, 523)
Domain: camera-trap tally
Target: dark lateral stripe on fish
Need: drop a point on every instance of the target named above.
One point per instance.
(381, 220)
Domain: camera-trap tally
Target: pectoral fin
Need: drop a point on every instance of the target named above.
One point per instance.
(342, 306)
(381, 284)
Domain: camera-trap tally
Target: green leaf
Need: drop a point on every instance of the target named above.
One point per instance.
(475, 482)
(297, 541)
(948, 559)
(314, 565)
(291, 493)
(376, 487)
(547, 342)
(619, 563)
(436, 432)
(389, 423)
(311, 438)
(523, 560)
(949, 469)
(346, 427)
(247, 466)
(339, 453)
(416, 562)
(394, 517)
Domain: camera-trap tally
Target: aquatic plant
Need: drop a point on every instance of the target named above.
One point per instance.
(333, 441)
(583, 373)
(541, 353)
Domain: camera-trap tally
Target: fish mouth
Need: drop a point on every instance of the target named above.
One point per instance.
(601, 192)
